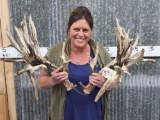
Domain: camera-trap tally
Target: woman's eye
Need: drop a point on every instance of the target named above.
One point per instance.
(76, 29)
(85, 30)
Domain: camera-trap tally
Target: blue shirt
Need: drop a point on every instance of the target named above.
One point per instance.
(80, 106)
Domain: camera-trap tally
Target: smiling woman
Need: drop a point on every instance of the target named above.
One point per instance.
(80, 49)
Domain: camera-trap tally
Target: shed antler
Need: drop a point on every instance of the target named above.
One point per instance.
(93, 62)
(66, 83)
(28, 46)
(117, 68)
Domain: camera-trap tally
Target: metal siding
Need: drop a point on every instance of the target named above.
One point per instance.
(137, 96)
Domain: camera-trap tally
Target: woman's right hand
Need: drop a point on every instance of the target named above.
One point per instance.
(58, 76)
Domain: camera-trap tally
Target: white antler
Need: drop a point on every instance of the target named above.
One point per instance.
(66, 83)
(117, 68)
(93, 62)
(28, 46)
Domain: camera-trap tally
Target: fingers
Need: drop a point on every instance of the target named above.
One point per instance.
(61, 76)
(58, 76)
(97, 79)
(58, 69)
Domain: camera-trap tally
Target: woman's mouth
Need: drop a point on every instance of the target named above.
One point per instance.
(80, 39)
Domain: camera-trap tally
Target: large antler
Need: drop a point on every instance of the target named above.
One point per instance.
(117, 68)
(66, 83)
(28, 46)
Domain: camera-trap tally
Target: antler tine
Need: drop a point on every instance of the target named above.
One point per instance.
(119, 31)
(63, 55)
(136, 41)
(118, 41)
(22, 44)
(14, 44)
(31, 69)
(25, 32)
(124, 42)
(127, 41)
(119, 51)
(34, 36)
(21, 40)
(34, 85)
(129, 52)
(102, 90)
(148, 60)
(94, 61)
(119, 28)
(136, 58)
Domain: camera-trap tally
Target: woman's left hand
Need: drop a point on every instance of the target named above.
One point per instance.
(97, 79)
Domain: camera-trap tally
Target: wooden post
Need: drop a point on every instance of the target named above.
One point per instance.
(7, 89)
(3, 96)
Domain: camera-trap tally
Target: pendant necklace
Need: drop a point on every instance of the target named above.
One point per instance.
(78, 60)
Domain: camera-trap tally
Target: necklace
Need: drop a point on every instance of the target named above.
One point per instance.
(83, 93)
(78, 59)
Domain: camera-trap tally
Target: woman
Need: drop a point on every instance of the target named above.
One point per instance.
(75, 104)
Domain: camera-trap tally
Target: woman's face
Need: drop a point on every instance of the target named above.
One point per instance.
(80, 33)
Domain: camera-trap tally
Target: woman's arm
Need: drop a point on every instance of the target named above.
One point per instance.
(56, 77)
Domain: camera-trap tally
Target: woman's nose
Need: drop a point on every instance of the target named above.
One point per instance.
(80, 33)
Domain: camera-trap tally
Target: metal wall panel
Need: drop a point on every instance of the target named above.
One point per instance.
(137, 96)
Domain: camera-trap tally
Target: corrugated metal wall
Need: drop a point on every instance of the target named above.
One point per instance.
(138, 96)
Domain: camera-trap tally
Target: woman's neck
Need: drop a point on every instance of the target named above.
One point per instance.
(80, 55)
(79, 50)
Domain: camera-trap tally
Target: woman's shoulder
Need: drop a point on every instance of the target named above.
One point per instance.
(93, 43)
(54, 50)
(56, 46)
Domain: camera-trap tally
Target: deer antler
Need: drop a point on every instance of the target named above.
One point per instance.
(66, 83)
(117, 68)
(93, 62)
(29, 48)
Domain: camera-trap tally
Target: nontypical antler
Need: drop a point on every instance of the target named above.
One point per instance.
(93, 63)
(117, 68)
(66, 83)
(28, 46)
